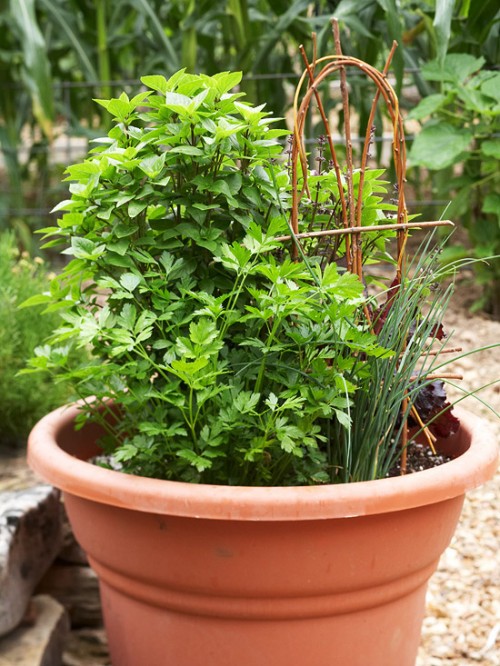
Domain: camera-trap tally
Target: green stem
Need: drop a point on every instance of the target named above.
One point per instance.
(480, 182)
(269, 341)
(104, 68)
(192, 419)
(235, 295)
(189, 41)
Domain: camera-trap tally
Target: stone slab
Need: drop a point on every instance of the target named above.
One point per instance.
(30, 539)
(41, 639)
(77, 589)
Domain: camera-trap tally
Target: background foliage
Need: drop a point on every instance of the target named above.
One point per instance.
(459, 143)
(23, 399)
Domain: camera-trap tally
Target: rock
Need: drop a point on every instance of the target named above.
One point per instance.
(77, 589)
(30, 538)
(39, 642)
(87, 647)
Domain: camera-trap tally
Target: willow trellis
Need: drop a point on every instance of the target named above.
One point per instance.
(318, 70)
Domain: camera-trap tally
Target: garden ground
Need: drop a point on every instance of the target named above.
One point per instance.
(462, 625)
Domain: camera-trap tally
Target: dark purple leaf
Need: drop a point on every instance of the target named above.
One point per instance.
(431, 401)
(380, 314)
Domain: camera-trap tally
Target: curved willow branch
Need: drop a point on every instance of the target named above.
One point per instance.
(315, 73)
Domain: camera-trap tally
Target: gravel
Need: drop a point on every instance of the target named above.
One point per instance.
(462, 625)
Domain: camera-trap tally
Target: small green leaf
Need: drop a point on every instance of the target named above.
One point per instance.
(189, 368)
(186, 150)
(84, 248)
(246, 401)
(225, 81)
(491, 87)
(198, 100)
(203, 332)
(126, 452)
(492, 204)
(119, 108)
(176, 102)
(456, 68)
(155, 82)
(440, 145)
(161, 344)
(235, 256)
(67, 204)
(272, 402)
(427, 106)
(136, 207)
(201, 463)
(343, 419)
(250, 113)
(128, 316)
(37, 299)
(124, 198)
(153, 166)
(124, 230)
(71, 220)
(83, 171)
(129, 281)
(222, 187)
(117, 259)
(491, 148)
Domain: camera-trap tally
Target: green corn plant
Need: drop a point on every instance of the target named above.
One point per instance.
(35, 69)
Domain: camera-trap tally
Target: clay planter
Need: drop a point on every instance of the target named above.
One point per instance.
(196, 575)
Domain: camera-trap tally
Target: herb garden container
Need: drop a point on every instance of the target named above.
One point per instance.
(250, 388)
(199, 575)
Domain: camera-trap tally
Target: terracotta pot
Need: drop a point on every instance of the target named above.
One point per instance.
(197, 575)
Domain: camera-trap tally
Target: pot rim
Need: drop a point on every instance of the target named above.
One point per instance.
(83, 479)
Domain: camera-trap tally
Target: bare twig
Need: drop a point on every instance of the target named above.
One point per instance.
(374, 227)
(427, 433)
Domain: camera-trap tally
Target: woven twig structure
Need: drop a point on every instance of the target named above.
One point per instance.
(350, 204)
(315, 73)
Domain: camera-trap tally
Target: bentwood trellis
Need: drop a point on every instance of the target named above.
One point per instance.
(351, 228)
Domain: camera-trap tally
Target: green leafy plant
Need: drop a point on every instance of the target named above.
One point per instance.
(231, 360)
(23, 399)
(458, 141)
